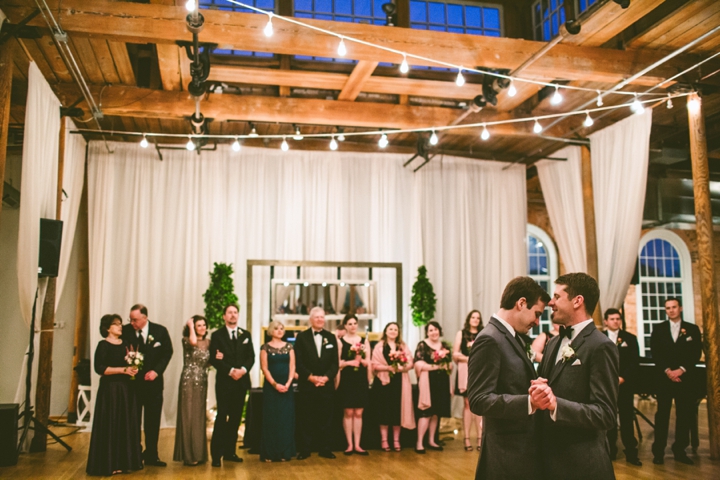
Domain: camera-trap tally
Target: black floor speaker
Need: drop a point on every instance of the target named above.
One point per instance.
(50, 241)
(8, 434)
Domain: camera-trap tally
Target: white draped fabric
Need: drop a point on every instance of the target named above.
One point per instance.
(561, 183)
(619, 156)
(156, 227)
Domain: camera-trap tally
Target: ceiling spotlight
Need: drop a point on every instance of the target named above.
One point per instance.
(460, 80)
(236, 146)
(588, 120)
(342, 284)
(433, 138)
(383, 142)
(268, 30)
(190, 5)
(144, 143)
(298, 136)
(693, 105)
(599, 100)
(342, 51)
(485, 133)
(537, 128)
(324, 284)
(636, 106)
(404, 67)
(512, 91)
(341, 137)
(669, 102)
(333, 144)
(190, 145)
(556, 98)
(253, 132)
(284, 145)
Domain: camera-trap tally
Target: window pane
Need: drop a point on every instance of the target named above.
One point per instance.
(491, 18)
(436, 11)
(418, 12)
(455, 15)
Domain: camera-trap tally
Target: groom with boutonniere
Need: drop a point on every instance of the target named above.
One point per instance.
(579, 373)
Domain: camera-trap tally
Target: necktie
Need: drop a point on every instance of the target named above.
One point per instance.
(141, 339)
(566, 332)
(233, 336)
(520, 342)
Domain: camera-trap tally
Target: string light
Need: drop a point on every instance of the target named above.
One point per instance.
(433, 138)
(190, 145)
(298, 136)
(636, 106)
(253, 132)
(333, 144)
(144, 143)
(485, 133)
(383, 142)
(404, 67)
(537, 128)
(599, 100)
(556, 98)
(190, 5)
(460, 80)
(669, 102)
(268, 30)
(588, 120)
(236, 145)
(693, 105)
(341, 137)
(512, 91)
(342, 51)
(284, 145)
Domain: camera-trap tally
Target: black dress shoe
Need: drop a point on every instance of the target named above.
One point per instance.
(329, 455)
(348, 452)
(634, 461)
(303, 456)
(438, 448)
(364, 453)
(658, 460)
(421, 452)
(156, 463)
(216, 463)
(684, 459)
(234, 458)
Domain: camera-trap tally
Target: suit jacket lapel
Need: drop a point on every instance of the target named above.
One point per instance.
(575, 345)
(513, 341)
(549, 357)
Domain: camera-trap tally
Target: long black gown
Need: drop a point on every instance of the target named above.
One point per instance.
(278, 427)
(387, 399)
(353, 389)
(115, 440)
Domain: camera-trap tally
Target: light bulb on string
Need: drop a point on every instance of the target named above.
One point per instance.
(253, 133)
(537, 128)
(460, 80)
(298, 136)
(190, 5)
(236, 146)
(333, 143)
(383, 142)
(404, 67)
(512, 91)
(556, 98)
(268, 30)
(669, 102)
(144, 143)
(190, 145)
(636, 106)
(284, 145)
(485, 133)
(433, 138)
(342, 51)
(588, 120)
(599, 99)
(341, 137)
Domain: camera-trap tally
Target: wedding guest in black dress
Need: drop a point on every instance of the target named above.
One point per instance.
(277, 361)
(432, 365)
(353, 388)
(391, 391)
(461, 352)
(190, 429)
(541, 341)
(115, 440)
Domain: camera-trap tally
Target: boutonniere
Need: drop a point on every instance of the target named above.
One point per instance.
(324, 341)
(683, 332)
(530, 352)
(566, 353)
(619, 341)
(150, 339)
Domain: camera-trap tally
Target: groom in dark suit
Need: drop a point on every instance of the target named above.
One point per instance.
(579, 371)
(233, 356)
(153, 341)
(500, 372)
(316, 356)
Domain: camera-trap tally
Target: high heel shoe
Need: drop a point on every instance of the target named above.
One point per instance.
(385, 446)
(468, 447)
(397, 446)
(417, 450)
(479, 446)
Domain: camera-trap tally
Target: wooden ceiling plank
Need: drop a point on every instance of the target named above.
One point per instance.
(105, 59)
(169, 63)
(36, 54)
(680, 21)
(145, 23)
(54, 59)
(701, 28)
(356, 80)
(20, 58)
(85, 57)
(185, 77)
(609, 20)
(122, 63)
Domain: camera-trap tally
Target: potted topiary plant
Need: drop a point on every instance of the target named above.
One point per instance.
(220, 293)
(422, 301)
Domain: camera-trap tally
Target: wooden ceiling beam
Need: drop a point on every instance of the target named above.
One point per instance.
(143, 23)
(360, 74)
(169, 65)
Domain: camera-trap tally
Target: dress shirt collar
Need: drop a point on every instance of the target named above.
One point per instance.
(236, 329)
(505, 324)
(579, 327)
(675, 329)
(613, 335)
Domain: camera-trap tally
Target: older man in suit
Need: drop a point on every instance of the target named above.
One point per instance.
(500, 372)
(580, 373)
(233, 356)
(627, 346)
(153, 341)
(676, 348)
(317, 359)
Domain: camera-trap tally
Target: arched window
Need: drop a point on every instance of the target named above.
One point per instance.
(665, 270)
(542, 267)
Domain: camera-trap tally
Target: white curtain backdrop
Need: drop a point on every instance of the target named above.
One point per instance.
(619, 155)
(157, 227)
(561, 183)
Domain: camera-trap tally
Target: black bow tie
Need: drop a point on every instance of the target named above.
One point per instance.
(317, 333)
(566, 332)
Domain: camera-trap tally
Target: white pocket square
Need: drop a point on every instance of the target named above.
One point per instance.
(688, 339)
(246, 340)
(157, 344)
(576, 362)
(329, 345)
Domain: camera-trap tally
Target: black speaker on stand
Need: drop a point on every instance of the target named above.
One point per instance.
(8, 434)
(50, 242)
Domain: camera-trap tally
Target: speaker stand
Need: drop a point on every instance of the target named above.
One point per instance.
(27, 414)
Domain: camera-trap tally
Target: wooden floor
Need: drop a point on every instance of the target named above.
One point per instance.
(453, 463)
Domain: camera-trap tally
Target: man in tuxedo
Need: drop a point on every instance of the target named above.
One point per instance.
(676, 348)
(233, 356)
(627, 346)
(153, 341)
(316, 356)
(579, 371)
(500, 372)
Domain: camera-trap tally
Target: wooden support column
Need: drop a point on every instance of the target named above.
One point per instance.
(6, 72)
(590, 235)
(47, 327)
(706, 263)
